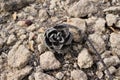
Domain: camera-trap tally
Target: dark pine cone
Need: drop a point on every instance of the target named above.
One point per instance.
(58, 38)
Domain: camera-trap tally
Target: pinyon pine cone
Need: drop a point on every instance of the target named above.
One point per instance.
(58, 38)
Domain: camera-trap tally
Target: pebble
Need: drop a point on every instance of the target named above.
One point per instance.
(48, 61)
(43, 15)
(111, 19)
(112, 9)
(118, 24)
(43, 76)
(31, 35)
(115, 42)
(19, 74)
(110, 61)
(98, 43)
(100, 25)
(40, 38)
(24, 23)
(99, 74)
(82, 8)
(11, 39)
(18, 56)
(80, 24)
(59, 75)
(112, 70)
(41, 48)
(31, 10)
(85, 60)
(31, 28)
(78, 75)
(1, 42)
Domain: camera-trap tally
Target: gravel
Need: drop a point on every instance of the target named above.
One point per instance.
(78, 75)
(23, 51)
(85, 60)
(48, 61)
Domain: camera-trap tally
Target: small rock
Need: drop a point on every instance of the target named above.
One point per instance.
(99, 74)
(24, 23)
(82, 8)
(31, 35)
(114, 59)
(48, 61)
(80, 24)
(111, 19)
(18, 56)
(23, 37)
(11, 39)
(21, 23)
(85, 60)
(118, 24)
(111, 61)
(106, 54)
(112, 70)
(78, 75)
(59, 75)
(19, 74)
(43, 15)
(1, 42)
(115, 42)
(98, 43)
(40, 38)
(31, 28)
(31, 45)
(41, 48)
(90, 21)
(31, 10)
(100, 25)
(43, 76)
(112, 9)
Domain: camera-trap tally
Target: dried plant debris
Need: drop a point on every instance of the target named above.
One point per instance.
(58, 38)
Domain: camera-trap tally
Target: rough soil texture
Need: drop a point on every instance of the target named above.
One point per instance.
(25, 56)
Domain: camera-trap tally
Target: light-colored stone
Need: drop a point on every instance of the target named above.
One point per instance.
(21, 23)
(113, 60)
(11, 39)
(112, 8)
(78, 75)
(59, 75)
(106, 54)
(115, 42)
(98, 43)
(19, 74)
(43, 76)
(31, 27)
(100, 25)
(111, 19)
(82, 8)
(40, 38)
(43, 15)
(110, 61)
(48, 61)
(1, 42)
(18, 56)
(118, 24)
(85, 60)
(41, 48)
(80, 24)
(31, 10)
(99, 74)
